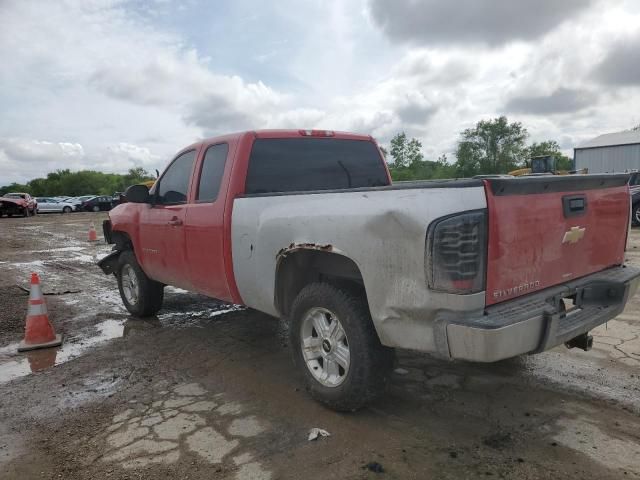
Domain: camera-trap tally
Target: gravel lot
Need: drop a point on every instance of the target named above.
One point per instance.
(207, 390)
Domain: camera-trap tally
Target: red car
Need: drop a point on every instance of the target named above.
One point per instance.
(18, 204)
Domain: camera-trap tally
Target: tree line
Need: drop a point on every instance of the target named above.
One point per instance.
(492, 146)
(84, 182)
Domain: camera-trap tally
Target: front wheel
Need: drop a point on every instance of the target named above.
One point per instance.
(635, 214)
(66, 210)
(96, 208)
(140, 295)
(336, 348)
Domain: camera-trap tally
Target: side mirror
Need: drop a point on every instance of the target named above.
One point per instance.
(137, 194)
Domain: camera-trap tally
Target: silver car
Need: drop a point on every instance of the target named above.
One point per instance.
(48, 204)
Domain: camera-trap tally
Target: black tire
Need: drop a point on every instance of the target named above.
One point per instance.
(635, 215)
(150, 293)
(370, 362)
(67, 210)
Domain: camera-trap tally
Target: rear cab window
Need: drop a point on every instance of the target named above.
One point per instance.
(278, 165)
(211, 173)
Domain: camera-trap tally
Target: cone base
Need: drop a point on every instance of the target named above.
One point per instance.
(24, 346)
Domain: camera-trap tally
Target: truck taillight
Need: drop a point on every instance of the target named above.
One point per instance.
(316, 133)
(456, 255)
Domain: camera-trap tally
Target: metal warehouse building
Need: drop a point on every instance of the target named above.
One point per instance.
(612, 152)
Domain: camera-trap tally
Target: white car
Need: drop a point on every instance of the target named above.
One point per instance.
(48, 204)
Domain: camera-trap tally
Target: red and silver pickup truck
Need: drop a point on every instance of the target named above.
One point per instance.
(306, 225)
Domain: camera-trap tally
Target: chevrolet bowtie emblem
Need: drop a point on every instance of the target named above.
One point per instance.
(573, 235)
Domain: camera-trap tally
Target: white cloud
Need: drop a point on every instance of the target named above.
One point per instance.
(28, 158)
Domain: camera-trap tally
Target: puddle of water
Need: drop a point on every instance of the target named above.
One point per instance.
(35, 263)
(197, 314)
(19, 365)
(61, 249)
(171, 289)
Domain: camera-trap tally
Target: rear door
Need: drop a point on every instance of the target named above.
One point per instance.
(545, 231)
(162, 234)
(204, 224)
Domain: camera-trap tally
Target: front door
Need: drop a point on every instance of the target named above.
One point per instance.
(162, 233)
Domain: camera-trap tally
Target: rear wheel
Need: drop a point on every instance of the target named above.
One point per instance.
(336, 347)
(96, 208)
(66, 210)
(140, 295)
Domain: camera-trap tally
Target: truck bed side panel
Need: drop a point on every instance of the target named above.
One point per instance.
(382, 231)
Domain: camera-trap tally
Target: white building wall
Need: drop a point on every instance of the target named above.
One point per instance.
(621, 158)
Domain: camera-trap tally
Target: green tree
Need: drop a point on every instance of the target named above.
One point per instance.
(405, 152)
(83, 182)
(407, 161)
(492, 146)
(549, 147)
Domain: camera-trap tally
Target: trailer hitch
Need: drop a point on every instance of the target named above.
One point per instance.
(584, 341)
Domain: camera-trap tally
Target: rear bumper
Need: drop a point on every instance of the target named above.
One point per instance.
(537, 322)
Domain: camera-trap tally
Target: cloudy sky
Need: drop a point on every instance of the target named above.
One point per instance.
(112, 84)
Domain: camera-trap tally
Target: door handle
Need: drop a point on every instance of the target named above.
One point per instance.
(175, 222)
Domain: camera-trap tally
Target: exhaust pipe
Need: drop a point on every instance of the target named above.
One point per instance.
(584, 341)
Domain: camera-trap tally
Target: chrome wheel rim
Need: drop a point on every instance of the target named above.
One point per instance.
(130, 285)
(638, 215)
(325, 347)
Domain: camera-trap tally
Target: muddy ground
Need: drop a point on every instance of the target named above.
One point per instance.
(207, 390)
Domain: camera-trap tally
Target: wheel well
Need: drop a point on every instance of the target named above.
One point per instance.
(122, 240)
(301, 267)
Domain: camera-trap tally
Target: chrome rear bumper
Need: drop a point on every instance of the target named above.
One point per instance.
(537, 322)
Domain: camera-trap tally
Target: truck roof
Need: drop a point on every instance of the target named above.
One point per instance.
(283, 133)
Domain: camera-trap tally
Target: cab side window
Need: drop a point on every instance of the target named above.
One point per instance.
(212, 171)
(173, 186)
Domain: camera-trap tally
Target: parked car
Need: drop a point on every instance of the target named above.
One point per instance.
(97, 204)
(48, 204)
(307, 225)
(18, 204)
(117, 198)
(634, 190)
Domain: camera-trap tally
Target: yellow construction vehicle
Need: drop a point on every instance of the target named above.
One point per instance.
(545, 165)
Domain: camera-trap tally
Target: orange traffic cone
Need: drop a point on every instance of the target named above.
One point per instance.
(93, 236)
(38, 332)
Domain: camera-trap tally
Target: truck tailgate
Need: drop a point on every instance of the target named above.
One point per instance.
(544, 231)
